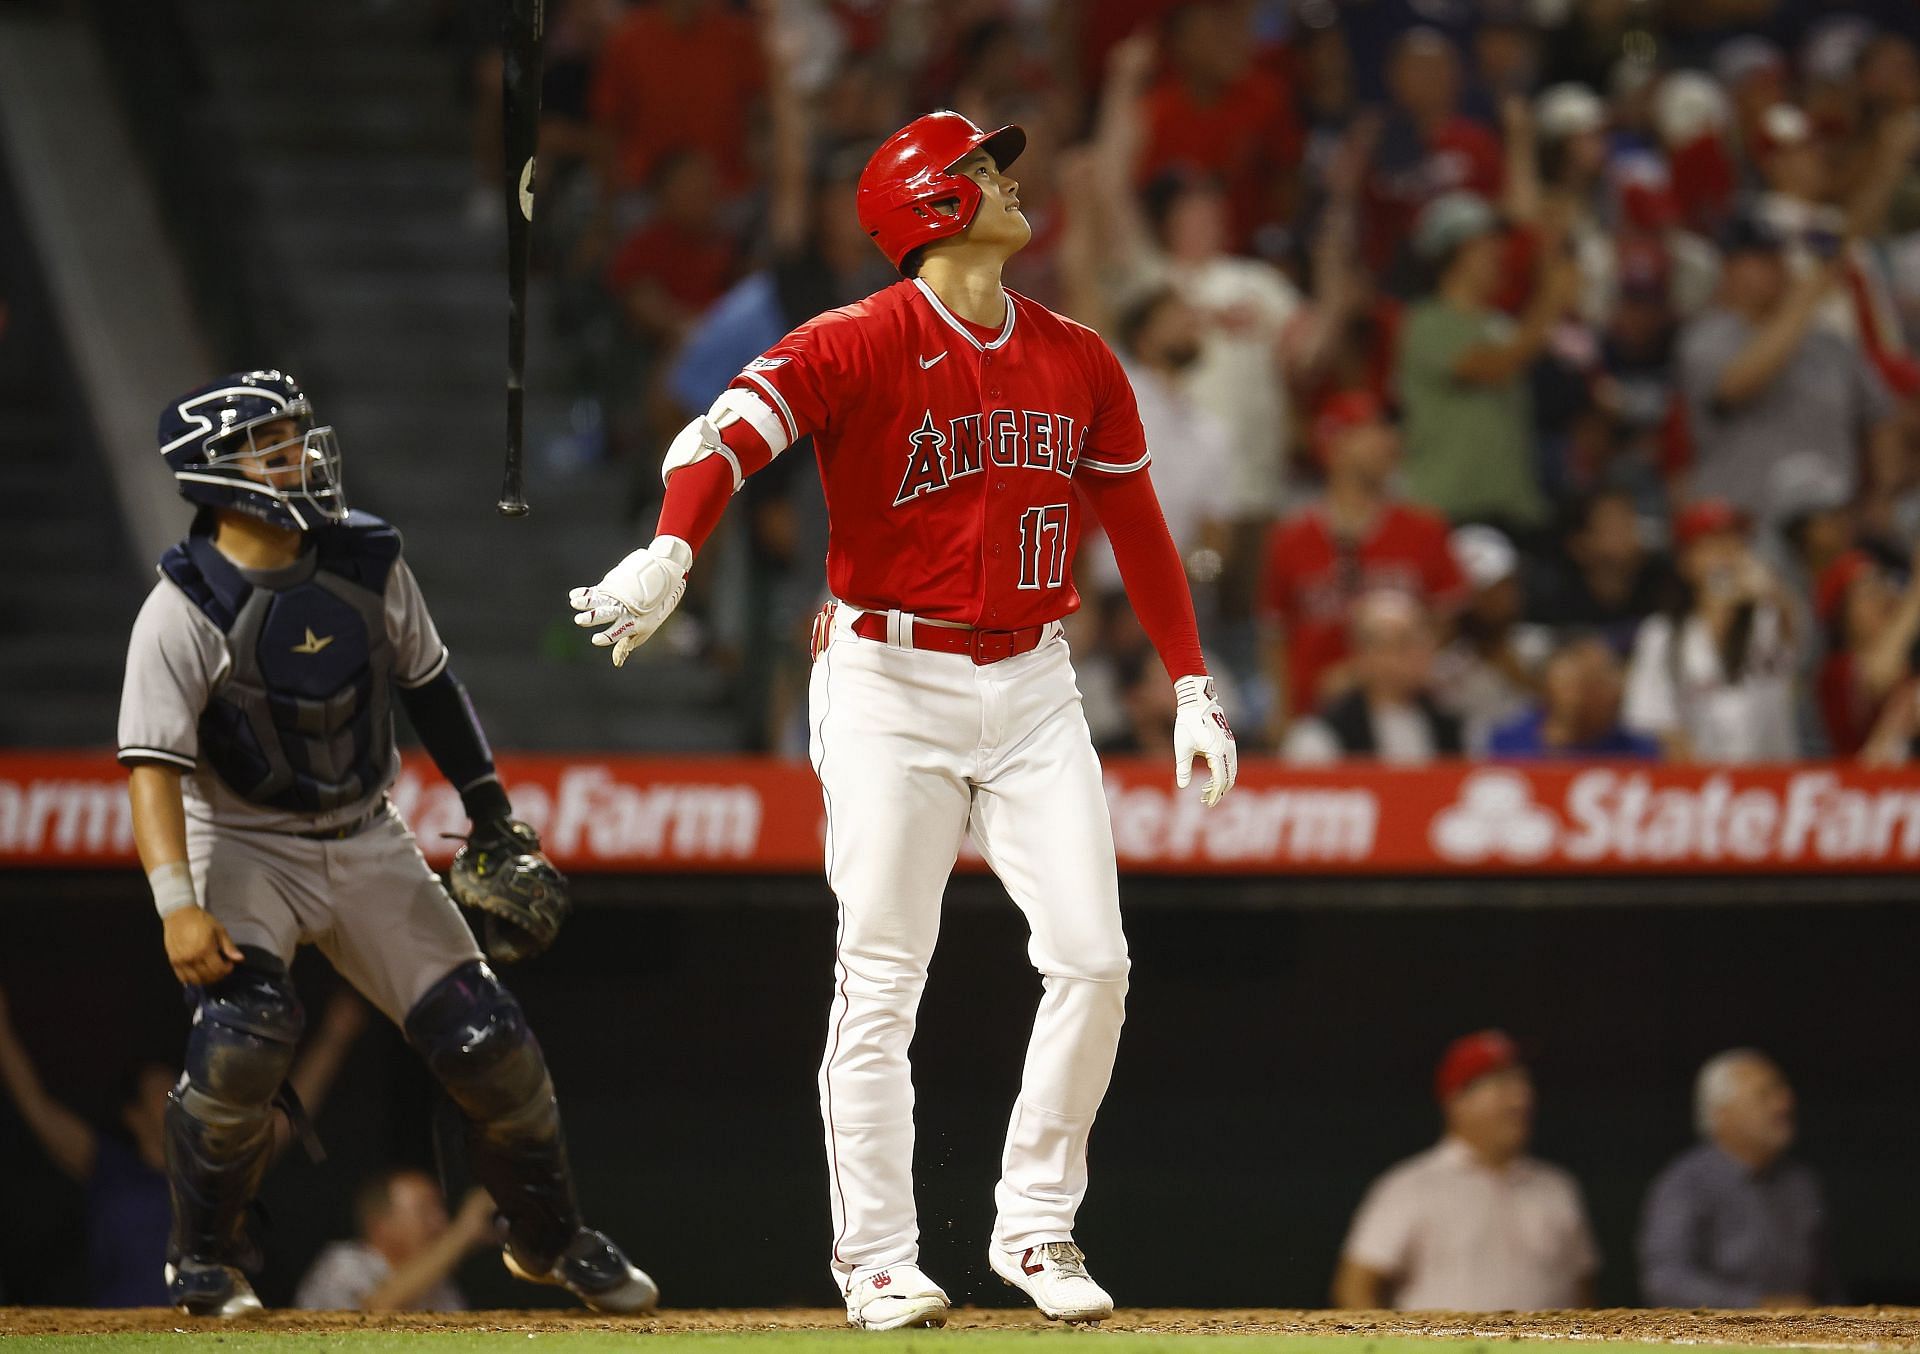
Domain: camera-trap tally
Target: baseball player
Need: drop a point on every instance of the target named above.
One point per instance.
(257, 729)
(963, 434)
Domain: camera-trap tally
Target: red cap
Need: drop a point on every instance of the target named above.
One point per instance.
(1707, 517)
(1836, 581)
(1471, 1057)
(1339, 413)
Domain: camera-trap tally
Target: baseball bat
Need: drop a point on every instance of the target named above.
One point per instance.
(523, 32)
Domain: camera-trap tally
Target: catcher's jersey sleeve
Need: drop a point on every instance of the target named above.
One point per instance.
(418, 653)
(174, 661)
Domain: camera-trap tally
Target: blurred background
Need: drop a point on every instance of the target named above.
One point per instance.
(1531, 383)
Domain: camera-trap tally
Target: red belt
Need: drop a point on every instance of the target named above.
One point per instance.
(982, 646)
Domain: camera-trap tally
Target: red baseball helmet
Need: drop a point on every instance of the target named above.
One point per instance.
(912, 171)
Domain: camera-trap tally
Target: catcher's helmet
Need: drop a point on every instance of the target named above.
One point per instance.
(912, 171)
(211, 438)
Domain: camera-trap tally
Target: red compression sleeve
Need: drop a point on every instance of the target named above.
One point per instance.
(1150, 566)
(697, 494)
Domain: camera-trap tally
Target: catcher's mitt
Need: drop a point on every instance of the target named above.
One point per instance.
(501, 873)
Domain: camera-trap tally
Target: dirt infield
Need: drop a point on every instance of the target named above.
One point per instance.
(1850, 1327)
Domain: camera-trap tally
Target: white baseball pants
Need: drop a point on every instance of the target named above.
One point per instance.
(914, 751)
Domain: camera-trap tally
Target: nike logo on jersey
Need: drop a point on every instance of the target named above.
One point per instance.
(314, 643)
(928, 363)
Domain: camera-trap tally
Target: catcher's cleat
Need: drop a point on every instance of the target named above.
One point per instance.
(896, 1297)
(200, 1288)
(1054, 1274)
(594, 1270)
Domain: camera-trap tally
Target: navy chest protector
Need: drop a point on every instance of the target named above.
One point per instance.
(303, 721)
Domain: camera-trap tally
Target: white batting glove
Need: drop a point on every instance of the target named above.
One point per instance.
(1200, 730)
(636, 596)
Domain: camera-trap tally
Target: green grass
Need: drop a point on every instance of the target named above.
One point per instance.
(760, 1342)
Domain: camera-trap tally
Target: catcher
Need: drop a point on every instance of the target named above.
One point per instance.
(257, 728)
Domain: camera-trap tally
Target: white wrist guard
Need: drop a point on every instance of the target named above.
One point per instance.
(1194, 690)
(172, 886)
(674, 549)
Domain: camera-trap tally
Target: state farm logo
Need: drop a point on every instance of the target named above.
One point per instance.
(1495, 816)
(593, 815)
(1154, 825)
(1614, 815)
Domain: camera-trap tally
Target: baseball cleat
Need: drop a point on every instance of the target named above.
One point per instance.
(201, 1288)
(1054, 1274)
(897, 1296)
(594, 1270)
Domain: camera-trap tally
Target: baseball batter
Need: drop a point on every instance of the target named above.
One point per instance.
(257, 727)
(963, 434)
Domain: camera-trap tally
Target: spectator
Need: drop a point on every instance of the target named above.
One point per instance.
(1646, 211)
(1579, 711)
(1358, 538)
(1323, 68)
(1389, 715)
(1159, 344)
(1770, 394)
(1473, 1224)
(406, 1251)
(1488, 673)
(674, 75)
(1463, 370)
(1428, 148)
(1824, 528)
(1734, 1222)
(1635, 387)
(1753, 72)
(1798, 208)
(1506, 49)
(1712, 676)
(1218, 113)
(1346, 332)
(127, 1211)
(1569, 125)
(1180, 233)
(1609, 581)
(1872, 627)
(673, 268)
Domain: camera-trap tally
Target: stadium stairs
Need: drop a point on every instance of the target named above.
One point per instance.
(69, 586)
(349, 142)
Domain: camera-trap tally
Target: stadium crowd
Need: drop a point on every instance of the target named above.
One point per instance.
(1526, 378)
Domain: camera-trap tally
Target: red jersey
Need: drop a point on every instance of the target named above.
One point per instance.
(1847, 711)
(948, 453)
(1312, 578)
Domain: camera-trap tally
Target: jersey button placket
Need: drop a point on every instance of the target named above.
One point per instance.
(987, 535)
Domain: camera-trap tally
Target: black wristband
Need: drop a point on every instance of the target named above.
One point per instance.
(486, 801)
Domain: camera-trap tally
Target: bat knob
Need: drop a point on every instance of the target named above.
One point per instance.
(512, 507)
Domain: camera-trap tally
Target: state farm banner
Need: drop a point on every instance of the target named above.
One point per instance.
(749, 815)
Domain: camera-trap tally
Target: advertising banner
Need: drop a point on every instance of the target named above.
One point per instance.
(748, 815)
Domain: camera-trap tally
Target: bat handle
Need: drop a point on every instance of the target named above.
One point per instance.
(513, 499)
